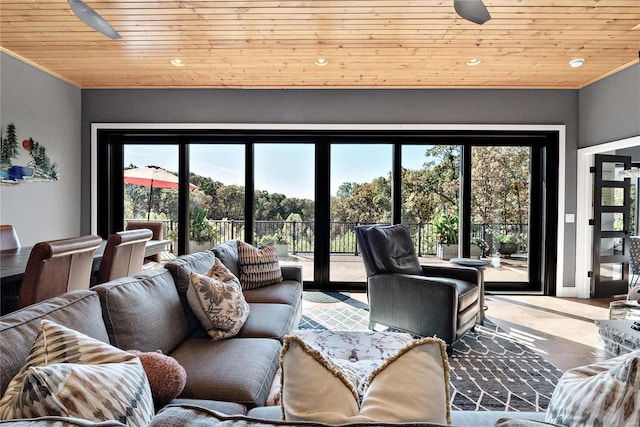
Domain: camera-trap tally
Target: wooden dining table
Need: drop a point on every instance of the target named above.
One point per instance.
(13, 262)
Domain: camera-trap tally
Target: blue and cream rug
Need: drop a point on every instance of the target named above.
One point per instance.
(489, 369)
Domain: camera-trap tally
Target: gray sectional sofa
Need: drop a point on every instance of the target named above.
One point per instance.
(227, 381)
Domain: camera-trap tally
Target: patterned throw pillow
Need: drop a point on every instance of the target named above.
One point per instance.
(606, 393)
(410, 386)
(218, 302)
(72, 375)
(258, 266)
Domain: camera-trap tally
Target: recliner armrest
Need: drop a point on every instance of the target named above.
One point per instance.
(468, 274)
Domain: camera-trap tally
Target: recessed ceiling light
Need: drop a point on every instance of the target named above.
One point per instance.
(637, 27)
(178, 62)
(321, 62)
(576, 62)
(473, 62)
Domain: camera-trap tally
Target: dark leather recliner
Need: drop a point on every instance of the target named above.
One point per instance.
(424, 300)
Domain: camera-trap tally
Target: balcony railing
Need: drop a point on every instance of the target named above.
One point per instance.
(300, 235)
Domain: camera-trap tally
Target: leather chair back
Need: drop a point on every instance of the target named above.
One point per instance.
(8, 238)
(156, 229)
(123, 255)
(56, 267)
(387, 249)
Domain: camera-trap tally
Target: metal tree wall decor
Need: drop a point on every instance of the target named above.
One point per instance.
(39, 168)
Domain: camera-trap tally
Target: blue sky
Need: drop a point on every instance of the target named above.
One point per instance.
(281, 168)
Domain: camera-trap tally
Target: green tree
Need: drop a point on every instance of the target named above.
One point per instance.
(9, 148)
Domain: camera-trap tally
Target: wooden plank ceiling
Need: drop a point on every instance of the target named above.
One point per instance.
(367, 43)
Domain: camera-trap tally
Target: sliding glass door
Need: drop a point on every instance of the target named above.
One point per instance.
(360, 194)
(284, 202)
(466, 194)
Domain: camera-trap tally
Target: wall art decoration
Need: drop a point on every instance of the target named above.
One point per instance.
(39, 168)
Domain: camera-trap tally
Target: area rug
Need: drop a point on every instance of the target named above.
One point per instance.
(490, 371)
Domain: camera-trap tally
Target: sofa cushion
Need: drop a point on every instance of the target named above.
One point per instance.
(78, 310)
(70, 374)
(229, 408)
(181, 268)
(236, 370)
(228, 254)
(59, 422)
(219, 305)
(195, 416)
(458, 418)
(270, 321)
(410, 386)
(522, 422)
(605, 393)
(143, 312)
(285, 292)
(258, 266)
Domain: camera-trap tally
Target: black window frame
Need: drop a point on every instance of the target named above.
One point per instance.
(545, 155)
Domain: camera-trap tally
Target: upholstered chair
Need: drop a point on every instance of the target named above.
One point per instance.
(8, 238)
(156, 229)
(123, 255)
(424, 300)
(56, 267)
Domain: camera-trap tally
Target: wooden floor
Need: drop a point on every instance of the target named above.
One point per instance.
(559, 329)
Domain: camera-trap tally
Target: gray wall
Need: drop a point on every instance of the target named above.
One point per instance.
(48, 110)
(557, 107)
(610, 108)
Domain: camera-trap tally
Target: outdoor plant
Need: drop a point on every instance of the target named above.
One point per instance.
(508, 244)
(508, 239)
(277, 237)
(200, 229)
(446, 228)
(481, 243)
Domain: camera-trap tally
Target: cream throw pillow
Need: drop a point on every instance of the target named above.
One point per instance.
(258, 266)
(602, 394)
(218, 302)
(72, 375)
(411, 386)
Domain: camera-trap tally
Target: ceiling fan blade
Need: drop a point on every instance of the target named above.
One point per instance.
(90, 17)
(472, 10)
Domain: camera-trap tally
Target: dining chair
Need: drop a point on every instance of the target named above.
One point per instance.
(8, 238)
(56, 267)
(156, 229)
(123, 255)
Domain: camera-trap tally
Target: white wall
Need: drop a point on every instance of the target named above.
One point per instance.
(48, 110)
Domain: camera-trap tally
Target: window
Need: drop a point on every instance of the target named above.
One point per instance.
(308, 190)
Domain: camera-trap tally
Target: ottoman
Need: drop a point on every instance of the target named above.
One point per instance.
(359, 352)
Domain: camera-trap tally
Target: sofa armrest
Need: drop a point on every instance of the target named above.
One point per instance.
(292, 272)
(468, 274)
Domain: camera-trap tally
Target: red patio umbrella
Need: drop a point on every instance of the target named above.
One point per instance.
(153, 177)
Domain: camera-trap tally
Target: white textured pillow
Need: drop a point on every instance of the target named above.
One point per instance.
(72, 375)
(218, 302)
(258, 266)
(606, 393)
(411, 386)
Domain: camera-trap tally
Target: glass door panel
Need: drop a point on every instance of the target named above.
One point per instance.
(430, 195)
(284, 203)
(500, 210)
(151, 185)
(360, 194)
(216, 206)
